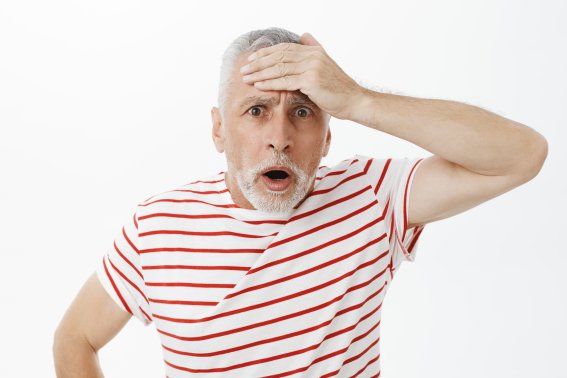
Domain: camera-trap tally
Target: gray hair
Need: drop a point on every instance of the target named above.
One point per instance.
(248, 42)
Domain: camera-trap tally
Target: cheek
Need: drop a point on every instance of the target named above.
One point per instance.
(238, 156)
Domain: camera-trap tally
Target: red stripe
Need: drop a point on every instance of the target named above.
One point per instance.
(205, 233)
(414, 239)
(367, 166)
(392, 224)
(333, 354)
(116, 288)
(209, 216)
(299, 216)
(366, 366)
(329, 204)
(323, 191)
(128, 280)
(189, 201)
(192, 303)
(333, 173)
(280, 356)
(284, 298)
(342, 161)
(320, 246)
(202, 250)
(362, 353)
(146, 315)
(127, 261)
(197, 267)
(200, 191)
(306, 271)
(405, 199)
(129, 241)
(135, 221)
(285, 317)
(207, 182)
(288, 335)
(190, 284)
(384, 170)
(323, 226)
(296, 217)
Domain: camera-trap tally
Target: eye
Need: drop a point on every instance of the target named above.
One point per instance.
(255, 111)
(303, 112)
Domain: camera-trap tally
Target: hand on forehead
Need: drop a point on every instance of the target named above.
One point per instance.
(286, 51)
(304, 67)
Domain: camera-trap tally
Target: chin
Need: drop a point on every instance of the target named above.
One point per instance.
(263, 199)
(270, 201)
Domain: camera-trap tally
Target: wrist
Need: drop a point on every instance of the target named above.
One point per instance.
(363, 107)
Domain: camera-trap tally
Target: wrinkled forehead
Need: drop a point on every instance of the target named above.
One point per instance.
(272, 99)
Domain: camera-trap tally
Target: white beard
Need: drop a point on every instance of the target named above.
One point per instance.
(267, 200)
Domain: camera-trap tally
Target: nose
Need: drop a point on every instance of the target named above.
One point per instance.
(279, 133)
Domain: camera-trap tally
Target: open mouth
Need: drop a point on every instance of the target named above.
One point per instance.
(276, 179)
(276, 174)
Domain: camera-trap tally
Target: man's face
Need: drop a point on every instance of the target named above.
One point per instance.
(274, 142)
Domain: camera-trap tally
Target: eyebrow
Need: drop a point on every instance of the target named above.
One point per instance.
(300, 100)
(269, 100)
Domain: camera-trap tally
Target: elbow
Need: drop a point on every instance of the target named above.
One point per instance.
(536, 154)
(72, 355)
(58, 345)
(67, 345)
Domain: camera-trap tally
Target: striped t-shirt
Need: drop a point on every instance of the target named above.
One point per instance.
(235, 292)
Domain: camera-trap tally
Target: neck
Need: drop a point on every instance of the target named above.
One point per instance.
(237, 197)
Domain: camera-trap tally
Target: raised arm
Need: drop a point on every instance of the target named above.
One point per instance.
(91, 321)
(478, 155)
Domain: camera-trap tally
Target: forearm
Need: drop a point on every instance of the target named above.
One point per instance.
(474, 138)
(75, 358)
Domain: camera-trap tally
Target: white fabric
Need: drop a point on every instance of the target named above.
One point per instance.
(241, 293)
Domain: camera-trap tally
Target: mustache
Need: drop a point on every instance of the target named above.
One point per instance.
(277, 159)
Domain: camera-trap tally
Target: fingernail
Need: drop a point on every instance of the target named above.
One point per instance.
(245, 68)
(251, 56)
(246, 77)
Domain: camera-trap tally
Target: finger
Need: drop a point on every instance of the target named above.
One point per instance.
(286, 83)
(278, 70)
(308, 39)
(271, 60)
(264, 51)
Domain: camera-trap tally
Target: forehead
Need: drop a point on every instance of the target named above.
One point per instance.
(241, 94)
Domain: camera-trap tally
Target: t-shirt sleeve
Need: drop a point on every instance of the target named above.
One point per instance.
(391, 181)
(120, 273)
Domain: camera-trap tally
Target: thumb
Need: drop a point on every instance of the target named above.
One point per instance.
(308, 39)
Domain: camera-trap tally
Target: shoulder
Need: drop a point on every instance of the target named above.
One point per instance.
(360, 165)
(198, 190)
(350, 165)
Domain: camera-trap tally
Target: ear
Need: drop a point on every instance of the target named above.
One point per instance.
(218, 130)
(327, 142)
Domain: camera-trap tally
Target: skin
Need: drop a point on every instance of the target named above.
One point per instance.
(477, 155)
(270, 123)
(91, 321)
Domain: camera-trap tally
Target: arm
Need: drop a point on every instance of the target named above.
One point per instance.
(91, 321)
(478, 155)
